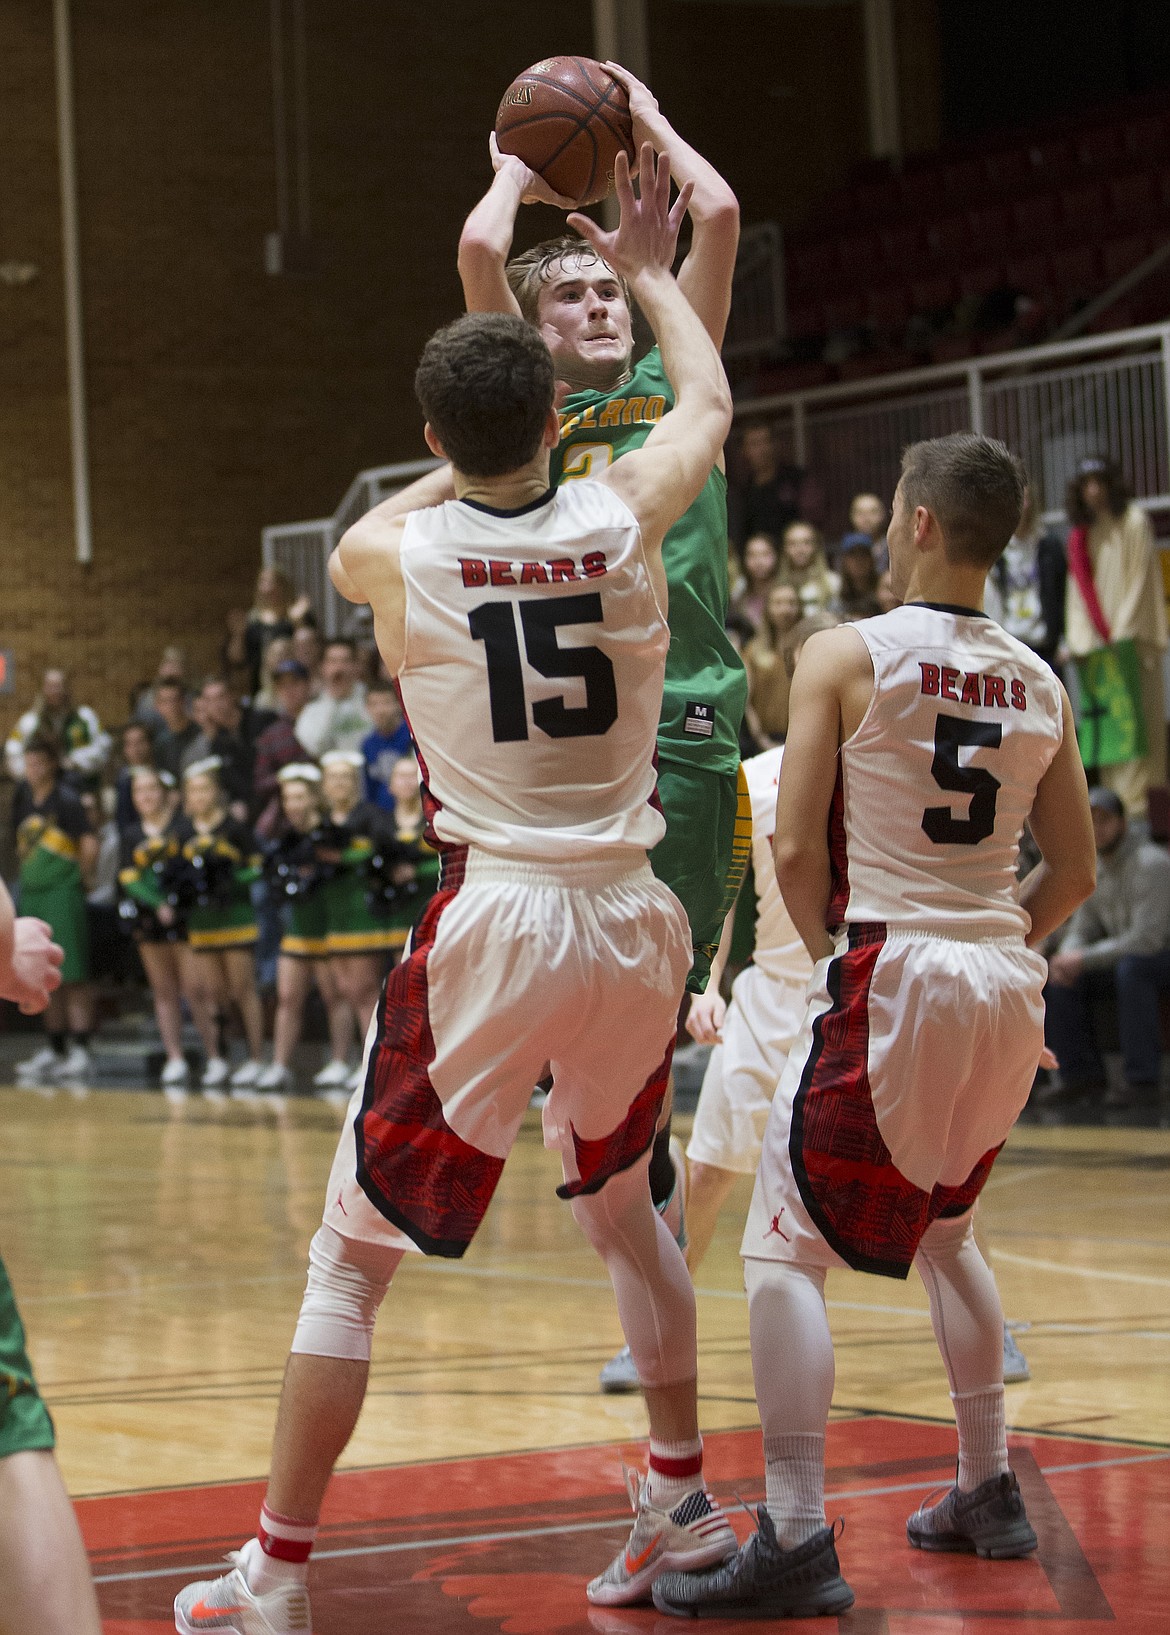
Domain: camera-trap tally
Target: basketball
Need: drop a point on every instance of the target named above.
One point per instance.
(567, 119)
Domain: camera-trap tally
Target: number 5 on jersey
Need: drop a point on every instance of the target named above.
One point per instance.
(494, 624)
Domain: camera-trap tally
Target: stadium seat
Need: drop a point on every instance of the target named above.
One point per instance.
(964, 181)
(902, 245)
(1082, 206)
(1099, 147)
(981, 278)
(933, 294)
(990, 227)
(1036, 218)
(888, 308)
(1029, 273)
(843, 312)
(1122, 255)
(1147, 137)
(1076, 271)
(806, 320)
(1131, 197)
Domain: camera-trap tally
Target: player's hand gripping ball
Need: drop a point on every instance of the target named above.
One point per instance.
(567, 118)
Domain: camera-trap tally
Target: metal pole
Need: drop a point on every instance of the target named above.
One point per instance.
(881, 63)
(71, 260)
(1166, 397)
(975, 399)
(799, 432)
(621, 34)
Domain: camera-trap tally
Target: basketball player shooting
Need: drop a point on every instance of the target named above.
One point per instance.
(919, 744)
(582, 308)
(526, 628)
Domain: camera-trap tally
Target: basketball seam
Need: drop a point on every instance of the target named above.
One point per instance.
(582, 125)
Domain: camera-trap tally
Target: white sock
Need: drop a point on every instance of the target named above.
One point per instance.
(266, 1573)
(676, 1469)
(795, 1476)
(979, 1417)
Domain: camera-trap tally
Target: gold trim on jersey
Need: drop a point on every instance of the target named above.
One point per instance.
(237, 936)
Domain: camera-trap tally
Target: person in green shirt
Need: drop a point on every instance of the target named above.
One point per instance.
(582, 309)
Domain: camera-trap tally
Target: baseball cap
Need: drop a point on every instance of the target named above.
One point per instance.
(1106, 800)
(290, 667)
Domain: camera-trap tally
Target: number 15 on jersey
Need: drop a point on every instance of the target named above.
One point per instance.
(495, 624)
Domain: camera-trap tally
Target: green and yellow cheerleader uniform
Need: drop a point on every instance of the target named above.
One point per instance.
(25, 1425)
(143, 878)
(353, 926)
(231, 862)
(426, 873)
(49, 882)
(704, 795)
(306, 933)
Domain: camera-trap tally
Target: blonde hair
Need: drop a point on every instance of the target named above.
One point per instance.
(817, 571)
(531, 269)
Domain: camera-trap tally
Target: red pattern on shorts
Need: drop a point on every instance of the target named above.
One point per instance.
(411, 1165)
(598, 1160)
(863, 1205)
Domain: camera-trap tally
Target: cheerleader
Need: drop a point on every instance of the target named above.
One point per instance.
(150, 852)
(409, 827)
(358, 938)
(221, 863)
(295, 880)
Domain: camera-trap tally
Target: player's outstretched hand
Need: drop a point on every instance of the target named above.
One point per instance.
(647, 231)
(705, 1018)
(533, 188)
(644, 110)
(36, 965)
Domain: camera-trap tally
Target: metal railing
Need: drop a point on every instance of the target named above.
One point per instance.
(303, 549)
(1053, 404)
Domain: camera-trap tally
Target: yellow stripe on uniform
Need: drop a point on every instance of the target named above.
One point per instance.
(365, 942)
(237, 936)
(304, 947)
(741, 842)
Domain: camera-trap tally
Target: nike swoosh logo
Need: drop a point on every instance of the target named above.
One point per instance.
(202, 1610)
(635, 1564)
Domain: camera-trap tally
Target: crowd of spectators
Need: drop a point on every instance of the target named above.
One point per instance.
(122, 842)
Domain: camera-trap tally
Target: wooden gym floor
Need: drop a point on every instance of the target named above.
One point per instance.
(157, 1253)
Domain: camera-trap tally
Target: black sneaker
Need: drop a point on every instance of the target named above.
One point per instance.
(761, 1581)
(990, 1521)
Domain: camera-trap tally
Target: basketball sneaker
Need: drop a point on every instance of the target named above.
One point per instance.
(226, 1606)
(176, 1072)
(694, 1534)
(274, 1077)
(76, 1064)
(619, 1374)
(215, 1073)
(761, 1580)
(990, 1521)
(1015, 1364)
(332, 1075)
(39, 1068)
(245, 1076)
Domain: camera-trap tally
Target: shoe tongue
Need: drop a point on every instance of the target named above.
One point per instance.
(767, 1526)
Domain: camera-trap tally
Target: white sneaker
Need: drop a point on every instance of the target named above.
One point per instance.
(226, 1606)
(332, 1076)
(694, 1534)
(244, 1078)
(39, 1068)
(175, 1072)
(273, 1077)
(76, 1064)
(215, 1073)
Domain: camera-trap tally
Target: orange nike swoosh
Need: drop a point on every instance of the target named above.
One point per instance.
(202, 1610)
(639, 1561)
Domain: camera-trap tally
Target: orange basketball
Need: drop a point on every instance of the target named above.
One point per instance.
(567, 119)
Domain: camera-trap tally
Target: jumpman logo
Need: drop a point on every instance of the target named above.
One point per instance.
(341, 1206)
(775, 1227)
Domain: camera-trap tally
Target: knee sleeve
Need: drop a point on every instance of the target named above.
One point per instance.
(965, 1311)
(347, 1283)
(792, 1349)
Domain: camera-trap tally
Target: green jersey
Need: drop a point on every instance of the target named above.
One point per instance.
(706, 686)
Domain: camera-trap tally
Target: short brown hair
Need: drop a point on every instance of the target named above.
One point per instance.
(486, 385)
(974, 486)
(530, 269)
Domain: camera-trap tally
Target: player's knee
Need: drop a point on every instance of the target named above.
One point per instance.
(346, 1285)
(945, 1236)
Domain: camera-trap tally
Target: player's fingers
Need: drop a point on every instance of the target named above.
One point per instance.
(589, 230)
(662, 184)
(680, 206)
(1048, 1060)
(621, 181)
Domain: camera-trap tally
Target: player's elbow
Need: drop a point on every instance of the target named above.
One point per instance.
(1078, 878)
(480, 263)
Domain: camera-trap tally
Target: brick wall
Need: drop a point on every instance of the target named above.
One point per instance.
(221, 399)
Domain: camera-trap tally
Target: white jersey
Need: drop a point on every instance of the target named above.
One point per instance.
(934, 787)
(533, 671)
(779, 952)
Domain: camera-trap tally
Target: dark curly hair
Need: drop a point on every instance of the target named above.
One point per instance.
(1116, 487)
(485, 383)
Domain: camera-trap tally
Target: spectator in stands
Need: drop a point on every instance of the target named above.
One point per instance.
(1114, 594)
(771, 497)
(57, 851)
(385, 744)
(137, 751)
(279, 650)
(229, 735)
(1119, 939)
(769, 682)
(760, 562)
(274, 612)
(172, 667)
(887, 598)
(1026, 587)
(178, 729)
(869, 516)
(858, 598)
(337, 718)
(278, 745)
(307, 649)
(803, 566)
(75, 729)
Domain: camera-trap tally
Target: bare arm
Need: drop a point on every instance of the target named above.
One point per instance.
(30, 961)
(486, 240)
(1063, 827)
(705, 1017)
(379, 529)
(705, 276)
(662, 478)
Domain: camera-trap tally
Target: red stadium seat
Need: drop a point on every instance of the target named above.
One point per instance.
(1029, 273)
(990, 227)
(877, 200)
(1122, 255)
(1131, 198)
(981, 278)
(1099, 147)
(1011, 171)
(933, 294)
(949, 239)
(1076, 271)
(964, 181)
(1083, 207)
(1052, 157)
(902, 245)
(888, 308)
(1147, 137)
(1036, 218)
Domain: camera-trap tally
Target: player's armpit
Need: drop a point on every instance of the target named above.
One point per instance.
(1062, 826)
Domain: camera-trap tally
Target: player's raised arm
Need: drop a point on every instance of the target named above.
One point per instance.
(705, 276)
(1062, 826)
(372, 540)
(486, 240)
(662, 478)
